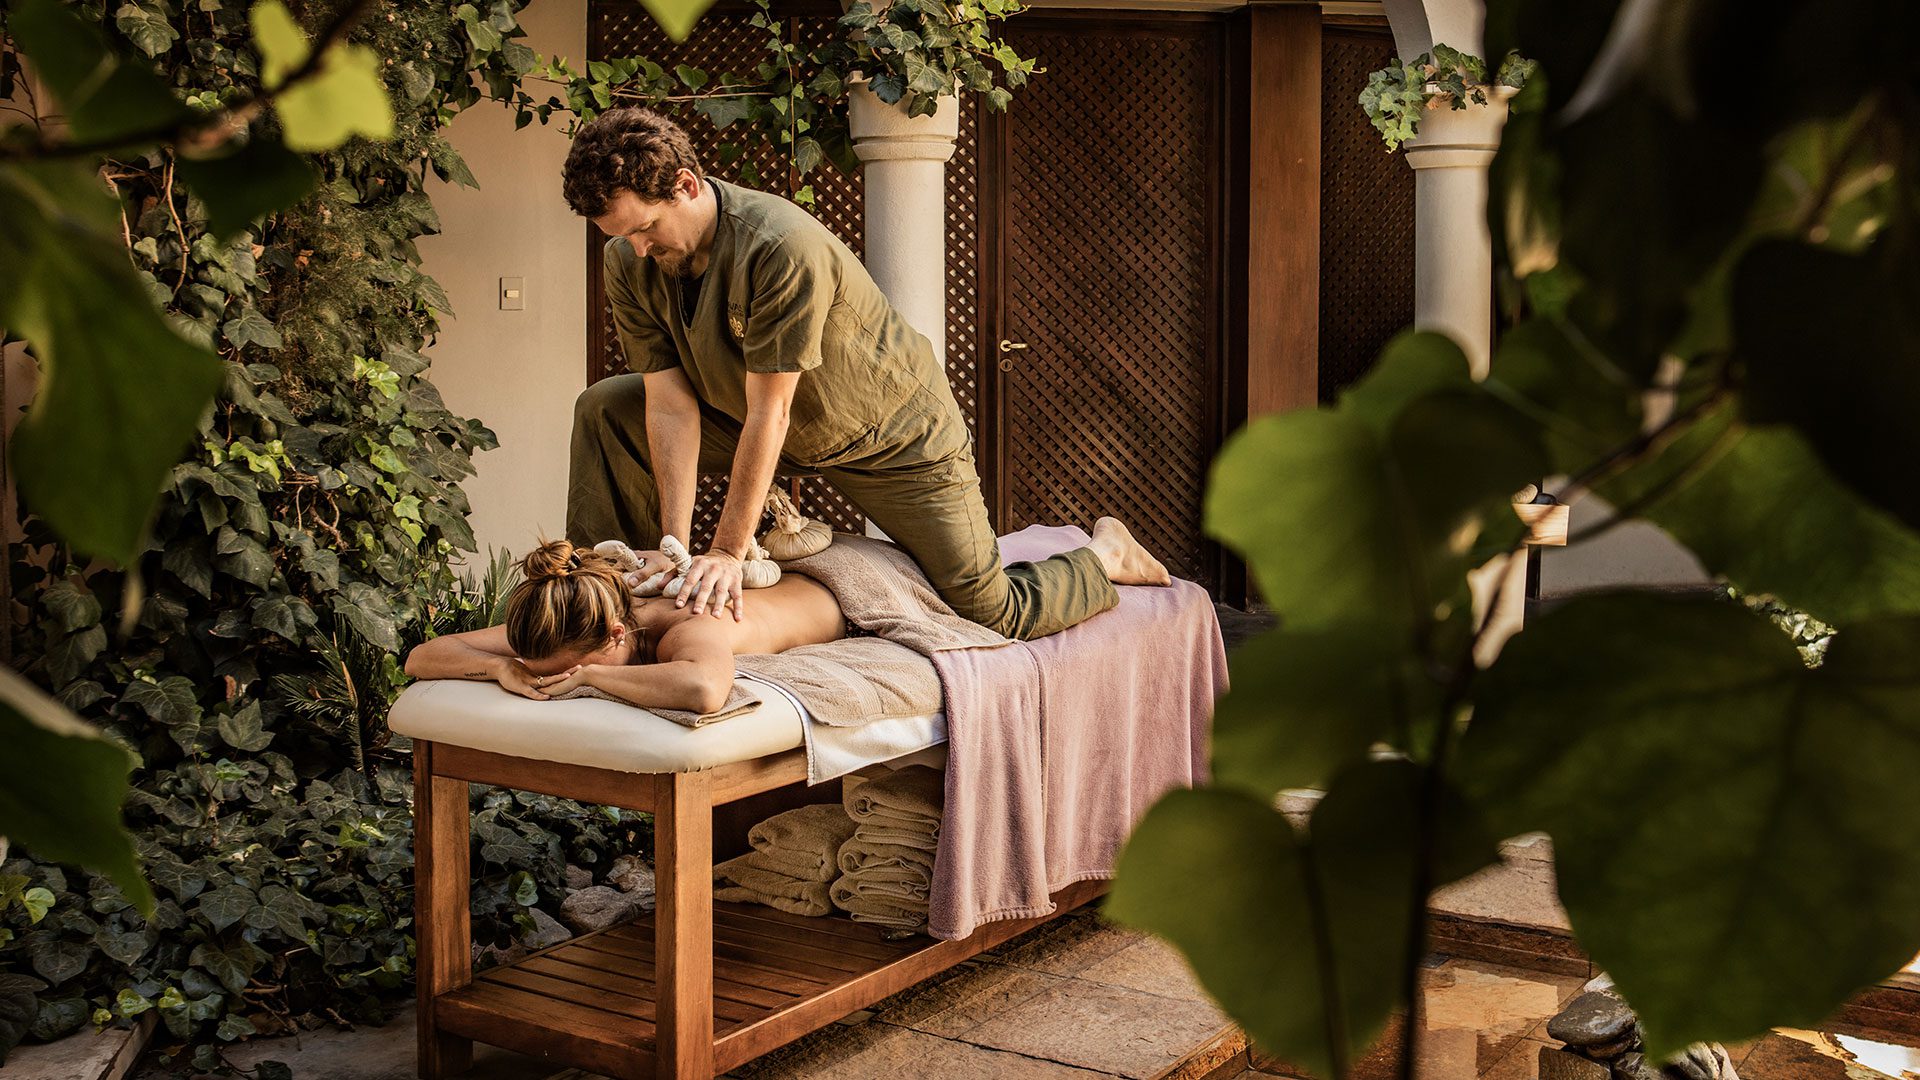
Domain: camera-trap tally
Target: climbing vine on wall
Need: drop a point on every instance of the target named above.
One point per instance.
(912, 52)
(242, 644)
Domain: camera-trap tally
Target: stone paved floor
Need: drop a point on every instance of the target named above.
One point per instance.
(1488, 1022)
(1077, 997)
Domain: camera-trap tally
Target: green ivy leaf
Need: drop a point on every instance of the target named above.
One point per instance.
(343, 99)
(115, 369)
(1296, 938)
(57, 960)
(72, 605)
(241, 729)
(723, 111)
(1706, 793)
(147, 27)
(222, 908)
(250, 327)
(61, 786)
(19, 1004)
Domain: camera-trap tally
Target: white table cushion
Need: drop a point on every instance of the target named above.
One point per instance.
(589, 731)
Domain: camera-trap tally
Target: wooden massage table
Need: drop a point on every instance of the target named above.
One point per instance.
(691, 990)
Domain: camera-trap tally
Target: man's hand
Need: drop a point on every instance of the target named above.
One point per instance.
(711, 582)
(514, 676)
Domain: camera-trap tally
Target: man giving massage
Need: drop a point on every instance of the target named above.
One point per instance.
(758, 342)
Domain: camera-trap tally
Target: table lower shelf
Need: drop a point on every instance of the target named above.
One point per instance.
(590, 1001)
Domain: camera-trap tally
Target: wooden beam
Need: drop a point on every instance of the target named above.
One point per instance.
(586, 783)
(1282, 140)
(442, 919)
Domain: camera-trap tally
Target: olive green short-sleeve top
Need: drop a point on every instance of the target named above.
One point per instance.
(781, 293)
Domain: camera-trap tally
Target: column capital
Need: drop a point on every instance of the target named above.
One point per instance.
(1453, 138)
(883, 132)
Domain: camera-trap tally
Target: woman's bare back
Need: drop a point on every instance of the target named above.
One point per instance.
(795, 610)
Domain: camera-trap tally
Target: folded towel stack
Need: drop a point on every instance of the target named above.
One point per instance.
(792, 863)
(887, 865)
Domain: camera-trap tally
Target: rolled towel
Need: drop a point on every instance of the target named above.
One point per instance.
(754, 882)
(803, 843)
(861, 854)
(909, 798)
(878, 903)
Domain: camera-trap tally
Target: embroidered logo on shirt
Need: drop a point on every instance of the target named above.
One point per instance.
(735, 323)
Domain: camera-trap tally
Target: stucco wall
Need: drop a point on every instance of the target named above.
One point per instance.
(515, 371)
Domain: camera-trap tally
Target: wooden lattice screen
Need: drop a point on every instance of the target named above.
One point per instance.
(726, 41)
(1366, 216)
(1111, 276)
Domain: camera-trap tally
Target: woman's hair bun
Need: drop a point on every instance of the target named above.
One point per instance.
(553, 558)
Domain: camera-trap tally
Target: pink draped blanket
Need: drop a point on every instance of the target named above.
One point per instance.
(1057, 747)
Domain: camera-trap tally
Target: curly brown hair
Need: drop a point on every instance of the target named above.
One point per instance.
(630, 149)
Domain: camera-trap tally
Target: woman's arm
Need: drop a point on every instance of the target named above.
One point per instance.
(476, 654)
(694, 671)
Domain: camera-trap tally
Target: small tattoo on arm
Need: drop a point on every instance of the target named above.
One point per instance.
(476, 674)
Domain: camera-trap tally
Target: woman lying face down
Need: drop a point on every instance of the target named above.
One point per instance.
(573, 623)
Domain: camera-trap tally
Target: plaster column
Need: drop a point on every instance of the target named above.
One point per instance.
(1453, 249)
(905, 168)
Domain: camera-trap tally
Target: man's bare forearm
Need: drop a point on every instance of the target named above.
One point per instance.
(673, 441)
(754, 465)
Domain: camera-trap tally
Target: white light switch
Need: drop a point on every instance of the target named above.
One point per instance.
(513, 294)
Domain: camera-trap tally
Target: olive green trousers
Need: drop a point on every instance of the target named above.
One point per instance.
(933, 509)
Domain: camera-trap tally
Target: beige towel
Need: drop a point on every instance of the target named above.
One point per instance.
(864, 854)
(881, 903)
(909, 799)
(919, 839)
(803, 843)
(755, 883)
(852, 681)
(742, 700)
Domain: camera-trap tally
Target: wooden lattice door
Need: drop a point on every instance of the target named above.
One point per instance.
(1107, 214)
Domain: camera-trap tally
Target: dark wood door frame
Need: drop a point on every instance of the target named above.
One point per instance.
(1272, 314)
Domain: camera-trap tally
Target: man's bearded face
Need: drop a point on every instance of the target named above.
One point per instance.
(668, 232)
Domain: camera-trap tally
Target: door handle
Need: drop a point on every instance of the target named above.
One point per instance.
(1006, 362)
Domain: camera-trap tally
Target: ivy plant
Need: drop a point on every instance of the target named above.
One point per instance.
(240, 487)
(910, 52)
(1397, 95)
(1708, 319)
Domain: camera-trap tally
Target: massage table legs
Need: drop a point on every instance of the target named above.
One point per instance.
(683, 924)
(443, 933)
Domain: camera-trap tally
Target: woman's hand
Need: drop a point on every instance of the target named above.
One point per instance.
(712, 581)
(515, 678)
(575, 677)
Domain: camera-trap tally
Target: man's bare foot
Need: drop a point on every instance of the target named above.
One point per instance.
(1127, 563)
